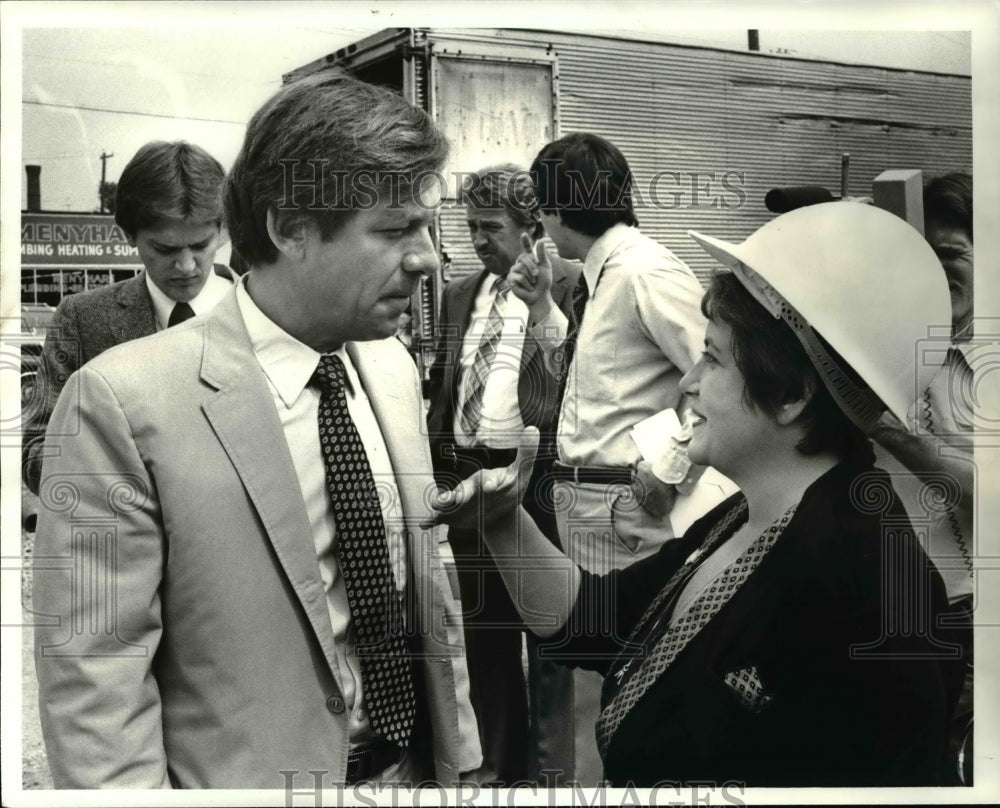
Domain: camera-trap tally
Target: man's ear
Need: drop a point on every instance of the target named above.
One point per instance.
(288, 232)
(789, 412)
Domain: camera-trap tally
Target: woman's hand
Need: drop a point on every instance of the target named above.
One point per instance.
(488, 495)
(655, 496)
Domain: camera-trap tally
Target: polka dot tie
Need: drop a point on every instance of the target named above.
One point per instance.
(375, 601)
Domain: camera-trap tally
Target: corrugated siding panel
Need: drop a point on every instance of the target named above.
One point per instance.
(420, 83)
(458, 251)
(776, 122)
(756, 122)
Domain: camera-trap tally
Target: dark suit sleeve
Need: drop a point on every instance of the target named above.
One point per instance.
(61, 356)
(231, 274)
(565, 301)
(439, 411)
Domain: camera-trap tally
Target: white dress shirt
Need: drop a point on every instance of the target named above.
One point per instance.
(212, 292)
(288, 365)
(642, 331)
(501, 423)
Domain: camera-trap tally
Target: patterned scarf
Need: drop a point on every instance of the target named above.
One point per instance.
(674, 637)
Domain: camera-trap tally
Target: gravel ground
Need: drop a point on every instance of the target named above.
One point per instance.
(35, 766)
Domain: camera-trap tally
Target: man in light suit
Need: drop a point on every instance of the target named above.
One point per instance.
(169, 205)
(482, 394)
(229, 541)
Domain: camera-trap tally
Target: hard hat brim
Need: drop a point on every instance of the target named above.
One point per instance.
(858, 276)
(722, 251)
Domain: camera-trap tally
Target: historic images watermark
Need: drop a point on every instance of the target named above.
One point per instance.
(90, 565)
(318, 787)
(312, 185)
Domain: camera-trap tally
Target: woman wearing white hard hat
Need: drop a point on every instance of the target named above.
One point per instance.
(789, 637)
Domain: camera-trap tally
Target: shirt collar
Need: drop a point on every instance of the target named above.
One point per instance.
(609, 241)
(287, 363)
(489, 283)
(212, 292)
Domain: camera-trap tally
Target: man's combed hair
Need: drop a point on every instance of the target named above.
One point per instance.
(169, 181)
(948, 201)
(587, 181)
(777, 370)
(506, 186)
(322, 148)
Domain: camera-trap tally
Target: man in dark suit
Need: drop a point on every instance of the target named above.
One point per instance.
(487, 383)
(169, 204)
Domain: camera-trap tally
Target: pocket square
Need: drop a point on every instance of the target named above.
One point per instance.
(748, 688)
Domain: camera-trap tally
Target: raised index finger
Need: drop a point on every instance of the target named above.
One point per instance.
(540, 254)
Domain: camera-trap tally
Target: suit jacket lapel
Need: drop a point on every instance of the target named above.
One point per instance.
(460, 315)
(465, 297)
(243, 416)
(226, 273)
(134, 318)
(394, 410)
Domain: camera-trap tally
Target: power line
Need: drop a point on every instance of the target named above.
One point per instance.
(947, 38)
(128, 112)
(104, 171)
(119, 65)
(76, 156)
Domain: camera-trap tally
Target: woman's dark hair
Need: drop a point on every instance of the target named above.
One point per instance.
(776, 369)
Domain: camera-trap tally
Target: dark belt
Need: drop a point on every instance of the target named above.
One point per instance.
(367, 761)
(598, 475)
(482, 456)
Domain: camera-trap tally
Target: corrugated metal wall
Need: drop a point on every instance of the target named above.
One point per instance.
(709, 132)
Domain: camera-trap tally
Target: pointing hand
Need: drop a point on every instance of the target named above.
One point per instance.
(531, 275)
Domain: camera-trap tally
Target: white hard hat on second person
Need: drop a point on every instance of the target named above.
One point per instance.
(864, 280)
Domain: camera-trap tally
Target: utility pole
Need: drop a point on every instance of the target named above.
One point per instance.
(104, 166)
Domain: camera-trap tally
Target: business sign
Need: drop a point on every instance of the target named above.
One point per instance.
(74, 240)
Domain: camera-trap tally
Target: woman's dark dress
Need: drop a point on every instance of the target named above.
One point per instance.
(825, 668)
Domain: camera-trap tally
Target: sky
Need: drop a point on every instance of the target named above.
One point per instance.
(104, 78)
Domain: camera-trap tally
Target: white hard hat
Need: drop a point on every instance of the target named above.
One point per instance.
(863, 279)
